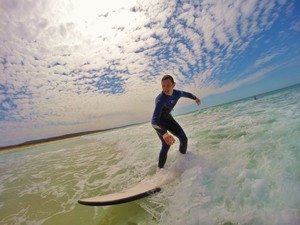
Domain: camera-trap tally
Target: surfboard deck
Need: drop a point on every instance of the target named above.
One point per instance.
(141, 190)
(137, 192)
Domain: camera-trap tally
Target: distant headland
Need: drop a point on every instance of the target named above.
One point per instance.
(51, 139)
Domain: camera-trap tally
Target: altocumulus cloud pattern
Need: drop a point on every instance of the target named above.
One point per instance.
(72, 66)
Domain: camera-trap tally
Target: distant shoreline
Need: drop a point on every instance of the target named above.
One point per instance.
(32, 143)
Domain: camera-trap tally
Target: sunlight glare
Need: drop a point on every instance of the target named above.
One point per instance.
(98, 18)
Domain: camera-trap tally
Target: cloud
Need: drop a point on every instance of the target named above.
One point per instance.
(296, 26)
(80, 65)
(265, 59)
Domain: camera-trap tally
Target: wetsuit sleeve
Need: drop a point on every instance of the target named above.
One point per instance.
(155, 119)
(188, 95)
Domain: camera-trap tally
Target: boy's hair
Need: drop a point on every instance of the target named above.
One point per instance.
(168, 77)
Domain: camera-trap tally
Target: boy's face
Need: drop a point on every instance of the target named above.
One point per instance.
(167, 87)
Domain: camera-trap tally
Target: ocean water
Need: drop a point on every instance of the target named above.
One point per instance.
(242, 167)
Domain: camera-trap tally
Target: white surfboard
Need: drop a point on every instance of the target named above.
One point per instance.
(139, 191)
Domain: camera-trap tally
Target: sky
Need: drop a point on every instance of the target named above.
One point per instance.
(77, 65)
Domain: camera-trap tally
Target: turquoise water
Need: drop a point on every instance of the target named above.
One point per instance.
(243, 167)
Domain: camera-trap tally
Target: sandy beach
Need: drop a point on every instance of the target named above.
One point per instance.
(23, 147)
(35, 143)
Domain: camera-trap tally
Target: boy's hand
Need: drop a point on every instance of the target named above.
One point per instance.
(169, 139)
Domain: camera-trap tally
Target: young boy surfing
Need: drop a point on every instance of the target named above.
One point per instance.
(162, 120)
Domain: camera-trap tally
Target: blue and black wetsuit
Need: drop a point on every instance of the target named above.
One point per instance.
(163, 121)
